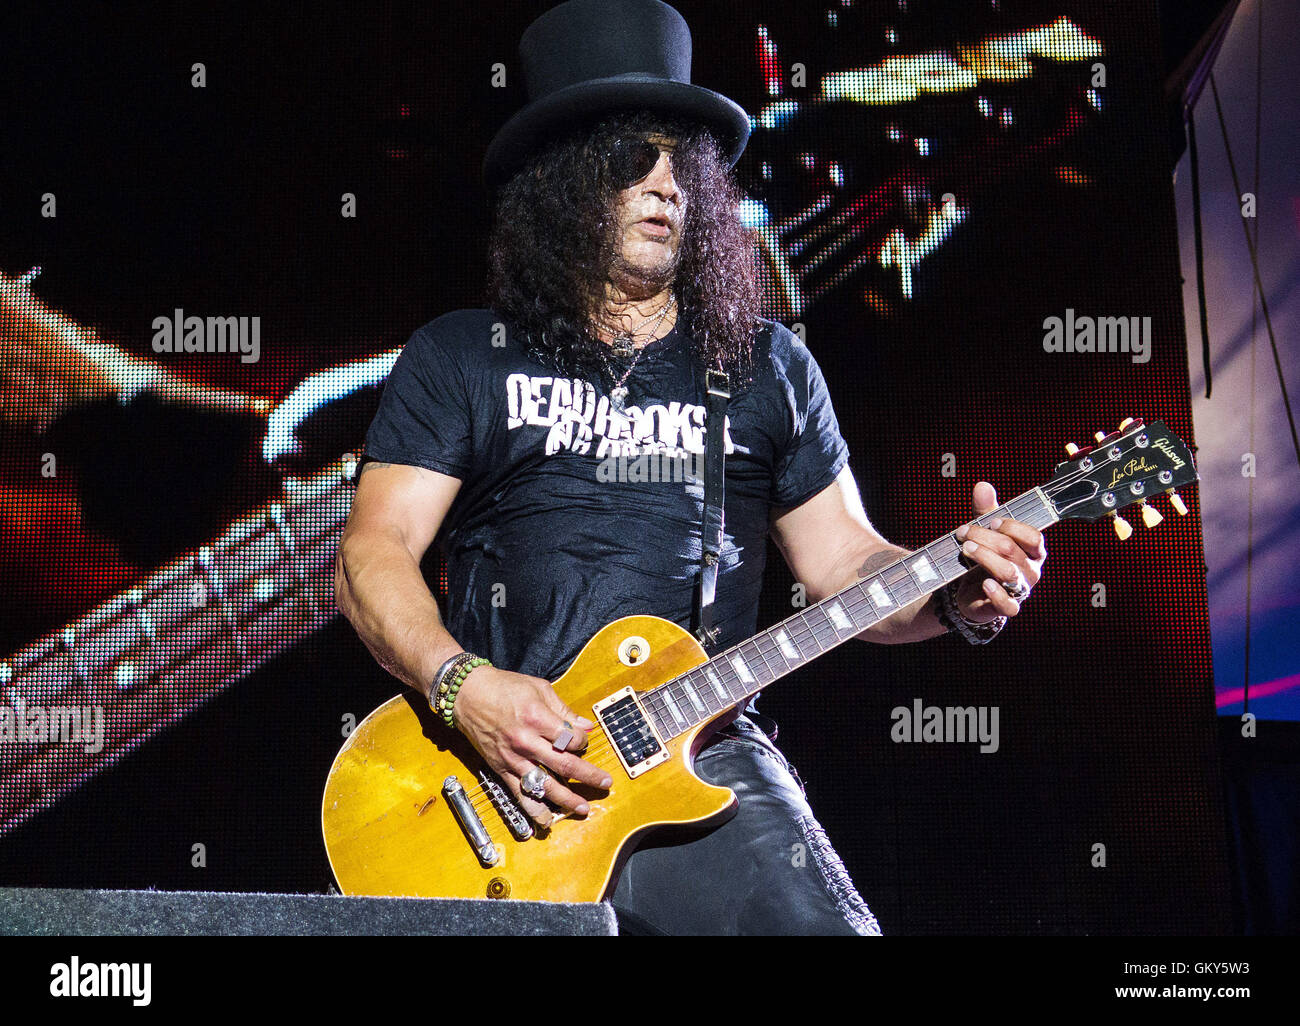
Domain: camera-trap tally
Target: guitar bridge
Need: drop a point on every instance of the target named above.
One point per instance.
(630, 731)
(503, 801)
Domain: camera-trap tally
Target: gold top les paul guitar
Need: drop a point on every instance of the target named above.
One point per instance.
(410, 808)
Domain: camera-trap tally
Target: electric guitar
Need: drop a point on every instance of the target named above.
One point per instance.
(410, 808)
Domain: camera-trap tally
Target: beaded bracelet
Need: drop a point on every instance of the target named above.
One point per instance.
(442, 680)
(950, 616)
(449, 681)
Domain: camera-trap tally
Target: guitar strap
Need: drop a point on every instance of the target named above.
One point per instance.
(715, 414)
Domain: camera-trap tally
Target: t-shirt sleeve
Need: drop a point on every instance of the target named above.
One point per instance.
(424, 414)
(816, 452)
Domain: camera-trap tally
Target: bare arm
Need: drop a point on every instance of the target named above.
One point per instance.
(510, 718)
(395, 515)
(829, 543)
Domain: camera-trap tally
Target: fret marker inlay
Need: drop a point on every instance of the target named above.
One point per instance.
(787, 647)
(673, 707)
(924, 570)
(741, 669)
(878, 595)
(837, 615)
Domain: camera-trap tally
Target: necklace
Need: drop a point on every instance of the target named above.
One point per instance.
(622, 347)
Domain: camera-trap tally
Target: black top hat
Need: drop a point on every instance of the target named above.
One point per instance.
(590, 57)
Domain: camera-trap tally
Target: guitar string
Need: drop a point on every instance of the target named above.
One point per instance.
(657, 699)
(798, 628)
(800, 631)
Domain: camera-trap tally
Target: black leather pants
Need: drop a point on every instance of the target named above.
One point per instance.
(770, 869)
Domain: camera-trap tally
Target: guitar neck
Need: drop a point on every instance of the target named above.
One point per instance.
(743, 670)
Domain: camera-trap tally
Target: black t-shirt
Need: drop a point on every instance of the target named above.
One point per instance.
(549, 538)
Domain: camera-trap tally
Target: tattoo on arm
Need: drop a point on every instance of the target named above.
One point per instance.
(877, 560)
(372, 464)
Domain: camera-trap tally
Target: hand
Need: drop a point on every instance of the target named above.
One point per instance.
(1006, 551)
(512, 720)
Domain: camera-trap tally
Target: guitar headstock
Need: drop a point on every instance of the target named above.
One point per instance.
(1131, 465)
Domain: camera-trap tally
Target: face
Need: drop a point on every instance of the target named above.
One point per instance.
(650, 214)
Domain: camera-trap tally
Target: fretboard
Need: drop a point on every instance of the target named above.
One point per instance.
(743, 670)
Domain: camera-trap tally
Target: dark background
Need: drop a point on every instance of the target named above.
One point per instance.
(226, 200)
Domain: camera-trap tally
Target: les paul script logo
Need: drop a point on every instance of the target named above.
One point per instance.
(1128, 470)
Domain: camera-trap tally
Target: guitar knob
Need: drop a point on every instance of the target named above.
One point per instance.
(1122, 527)
(1150, 515)
(1176, 501)
(1071, 449)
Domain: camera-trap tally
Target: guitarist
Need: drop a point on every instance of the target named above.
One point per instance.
(620, 272)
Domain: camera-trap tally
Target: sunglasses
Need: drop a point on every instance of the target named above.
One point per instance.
(630, 160)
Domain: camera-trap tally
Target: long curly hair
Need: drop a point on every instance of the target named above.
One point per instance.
(556, 239)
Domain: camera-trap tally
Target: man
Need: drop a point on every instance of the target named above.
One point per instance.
(620, 273)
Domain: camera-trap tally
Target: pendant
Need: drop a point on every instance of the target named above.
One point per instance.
(622, 347)
(618, 397)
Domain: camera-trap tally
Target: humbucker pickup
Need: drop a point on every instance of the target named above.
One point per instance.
(638, 745)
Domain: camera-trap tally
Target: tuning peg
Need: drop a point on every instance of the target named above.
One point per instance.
(1122, 527)
(1071, 449)
(1176, 501)
(1126, 422)
(1150, 515)
(1099, 435)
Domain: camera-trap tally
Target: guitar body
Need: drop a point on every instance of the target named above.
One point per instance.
(389, 829)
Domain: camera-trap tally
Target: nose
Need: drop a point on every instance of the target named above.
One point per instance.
(661, 183)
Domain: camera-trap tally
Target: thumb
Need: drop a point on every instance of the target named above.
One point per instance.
(984, 498)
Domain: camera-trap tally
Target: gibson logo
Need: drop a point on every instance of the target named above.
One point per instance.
(1167, 447)
(1128, 470)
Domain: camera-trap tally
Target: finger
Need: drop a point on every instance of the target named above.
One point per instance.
(535, 810)
(569, 720)
(1002, 602)
(1012, 540)
(571, 767)
(562, 796)
(984, 498)
(1008, 549)
(982, 544)
(1030, 539)
(564, 733)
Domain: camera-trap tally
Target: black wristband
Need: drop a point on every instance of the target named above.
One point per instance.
(949, 615)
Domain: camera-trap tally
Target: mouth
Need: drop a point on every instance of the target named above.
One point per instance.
(656, 225)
